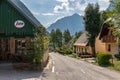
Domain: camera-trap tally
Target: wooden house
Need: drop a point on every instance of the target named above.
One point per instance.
(81, 46)
(106, 41)
(17, 26)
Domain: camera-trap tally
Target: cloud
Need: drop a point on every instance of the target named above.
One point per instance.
(48, 14)
(64, 7)
(62, 0)
(36, 13)
(104, 0)
(103, 4)
(79, 6)
(70, 6)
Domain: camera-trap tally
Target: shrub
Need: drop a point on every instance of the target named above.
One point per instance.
(117, 56)
(103, 59)
(69, 51)
(65, 50)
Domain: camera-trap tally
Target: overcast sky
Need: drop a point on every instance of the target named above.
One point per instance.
(48, 11)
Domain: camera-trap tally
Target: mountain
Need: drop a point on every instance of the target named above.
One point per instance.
(74, 23)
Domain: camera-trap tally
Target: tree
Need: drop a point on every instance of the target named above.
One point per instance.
(66, 36)
(38, 45)
(117, 17)
(105, 15)
(58, 38)
(77, 34)
(73, 39)
(53, 38)
(92, 24)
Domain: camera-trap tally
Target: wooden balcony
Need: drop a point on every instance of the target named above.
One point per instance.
(109, 39)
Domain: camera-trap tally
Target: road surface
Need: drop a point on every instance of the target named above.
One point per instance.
(66, 68)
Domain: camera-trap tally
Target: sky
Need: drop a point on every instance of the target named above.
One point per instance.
(49, 11)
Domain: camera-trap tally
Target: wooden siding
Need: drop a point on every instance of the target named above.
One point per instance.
(101, 46)
(8, 16)
(108, 39)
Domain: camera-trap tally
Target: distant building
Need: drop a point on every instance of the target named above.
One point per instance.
(17, 26)
(106, 41)
(81, 46)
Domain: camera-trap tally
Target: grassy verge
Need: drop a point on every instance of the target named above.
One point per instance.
(115, 66)
(71, 55)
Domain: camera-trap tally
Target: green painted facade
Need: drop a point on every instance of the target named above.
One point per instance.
(8, 16)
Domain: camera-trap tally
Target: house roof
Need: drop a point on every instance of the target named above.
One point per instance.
(82, 40)
(105, 29)
(25, 11)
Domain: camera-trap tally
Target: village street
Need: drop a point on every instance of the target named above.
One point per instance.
(66, 68)
(60, 68)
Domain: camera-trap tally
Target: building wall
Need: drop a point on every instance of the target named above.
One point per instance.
(89, 50)
(8, 16)
(100, 46)
(82, 49)
(12, 44)
(113, 48)
(103, 47)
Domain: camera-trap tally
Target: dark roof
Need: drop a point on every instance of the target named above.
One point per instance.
(82, 40)
(25, 11)
(105, 27)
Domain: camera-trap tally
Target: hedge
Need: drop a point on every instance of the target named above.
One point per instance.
(103, 59)
(117, 56)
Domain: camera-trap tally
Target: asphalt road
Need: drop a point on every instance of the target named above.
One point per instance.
(66, 68)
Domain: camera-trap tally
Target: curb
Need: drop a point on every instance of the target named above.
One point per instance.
(48, 66)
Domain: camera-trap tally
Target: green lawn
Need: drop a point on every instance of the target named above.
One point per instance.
(115, 63)
(115, 66)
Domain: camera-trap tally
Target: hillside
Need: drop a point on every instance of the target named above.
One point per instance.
(74, 23)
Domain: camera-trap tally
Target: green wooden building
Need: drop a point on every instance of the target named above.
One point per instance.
(17, 25)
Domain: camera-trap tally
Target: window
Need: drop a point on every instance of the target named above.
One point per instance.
(23, 43)
(109, 47)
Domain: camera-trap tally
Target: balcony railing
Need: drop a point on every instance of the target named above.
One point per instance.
(109, 38)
